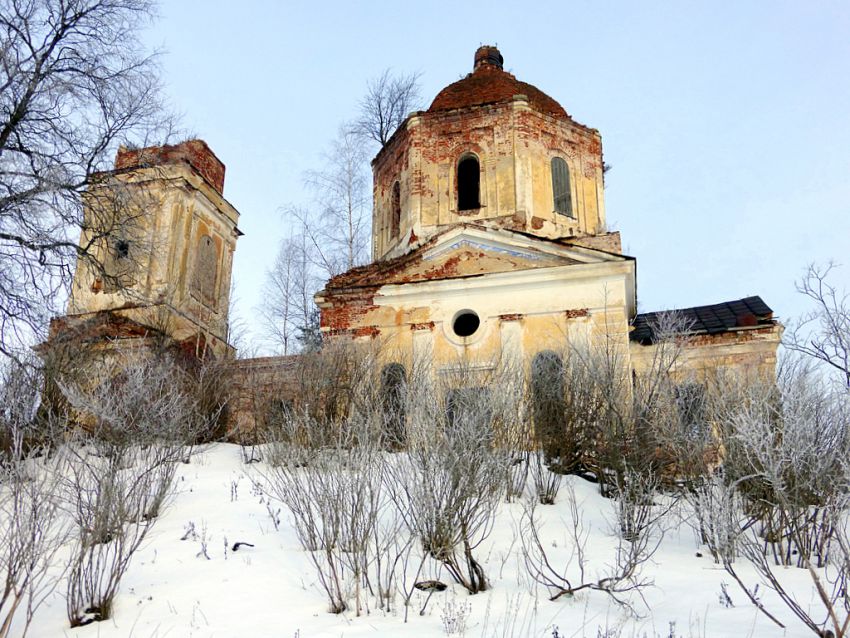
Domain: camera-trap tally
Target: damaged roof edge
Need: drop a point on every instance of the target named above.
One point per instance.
(749, 312)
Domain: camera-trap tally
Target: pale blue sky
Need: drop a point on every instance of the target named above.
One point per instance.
(727, 124)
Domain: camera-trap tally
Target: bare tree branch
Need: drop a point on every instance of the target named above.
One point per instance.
(75, 82)
(388, 101)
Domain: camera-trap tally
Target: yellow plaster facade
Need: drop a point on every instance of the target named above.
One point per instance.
(520, 249)
(165, 257)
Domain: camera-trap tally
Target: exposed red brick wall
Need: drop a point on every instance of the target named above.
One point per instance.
(195, 152)
(345, 311)
(609, 242)
(731, 337)
(494, 132)
(490, 84)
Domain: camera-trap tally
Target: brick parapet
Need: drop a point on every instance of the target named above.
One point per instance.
(196, 153)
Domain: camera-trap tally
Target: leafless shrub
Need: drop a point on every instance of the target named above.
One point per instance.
(454, 615)
(120, 472)
(334, 499)
(546, 482)
(32, 527)
(326, 465)
(449, 483)
(594, 419)
(510, 412)
(719, 515)
(638, 532)
(789, 479)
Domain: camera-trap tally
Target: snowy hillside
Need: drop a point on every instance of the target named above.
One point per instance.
(173, 589)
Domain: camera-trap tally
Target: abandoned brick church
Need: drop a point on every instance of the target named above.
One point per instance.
(488, 236)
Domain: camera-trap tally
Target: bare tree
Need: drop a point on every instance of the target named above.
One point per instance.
(287, 304)
(337, 222)
(388, 101)
(824, 332)
(74, 82)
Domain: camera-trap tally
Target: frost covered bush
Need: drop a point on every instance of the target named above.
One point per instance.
(449, 483)
(326, 465)
(120, 465)
(32, 524)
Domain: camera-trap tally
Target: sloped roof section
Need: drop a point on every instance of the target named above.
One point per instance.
(489, 83)
(469, 250)
(714, 319)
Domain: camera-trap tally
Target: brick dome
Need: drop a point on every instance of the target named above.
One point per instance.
(489, 83)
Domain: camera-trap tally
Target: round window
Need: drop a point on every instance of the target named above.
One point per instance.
(466, 323)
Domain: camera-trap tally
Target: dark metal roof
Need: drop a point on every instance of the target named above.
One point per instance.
(714, 319)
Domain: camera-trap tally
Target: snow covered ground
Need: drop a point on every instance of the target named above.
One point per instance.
(270, 589)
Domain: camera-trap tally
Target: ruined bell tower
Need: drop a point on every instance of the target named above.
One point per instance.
(162, 238)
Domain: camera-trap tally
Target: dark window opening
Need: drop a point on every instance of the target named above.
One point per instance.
(692, 409)
(118, 267)
(122, 249)
(561, 187)
(395, 216)
(468, 179)
(468, 410)
(466, 323)
(560, 446)
(393, 380)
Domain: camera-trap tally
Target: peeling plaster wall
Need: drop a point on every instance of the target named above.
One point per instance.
(546, 307)
(514, 144)
(750, 351)
(167, 210)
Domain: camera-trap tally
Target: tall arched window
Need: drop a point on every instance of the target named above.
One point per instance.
(548, 408)
(395, 212)
(468, 181)
(469, 412)
(393, 380)
(206, 269)
(561, 187)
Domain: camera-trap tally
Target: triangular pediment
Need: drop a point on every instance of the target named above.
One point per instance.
(469, 251)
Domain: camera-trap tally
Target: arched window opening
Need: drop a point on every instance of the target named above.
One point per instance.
(395, 213)
(393, 382)
(561, 187)
(469, 413)
(468, 181)
(691, 406)
(206, 270)
(549, 412)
